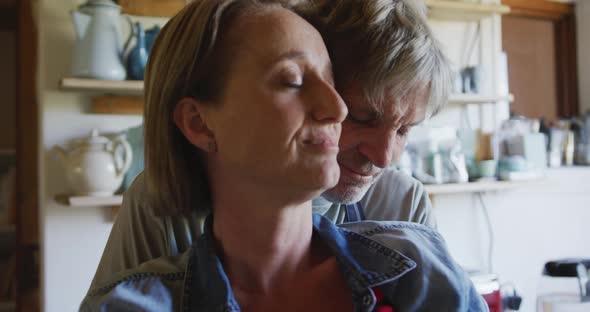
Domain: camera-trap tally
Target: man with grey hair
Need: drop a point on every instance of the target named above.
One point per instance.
(391, 73)
(397, 79)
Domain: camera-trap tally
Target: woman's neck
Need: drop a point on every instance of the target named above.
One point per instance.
(263, 251)
(264, 242)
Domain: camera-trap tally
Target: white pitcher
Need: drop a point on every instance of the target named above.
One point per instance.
(92, 166)
(98, 50)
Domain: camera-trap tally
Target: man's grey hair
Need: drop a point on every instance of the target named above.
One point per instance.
(386, 46)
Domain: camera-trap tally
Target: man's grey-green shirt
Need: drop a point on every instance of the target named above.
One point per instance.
(139, 235)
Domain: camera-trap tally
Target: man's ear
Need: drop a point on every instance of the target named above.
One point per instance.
(188, 117)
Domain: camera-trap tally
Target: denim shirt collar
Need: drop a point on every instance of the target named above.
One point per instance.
(364, 264)
(207, 285)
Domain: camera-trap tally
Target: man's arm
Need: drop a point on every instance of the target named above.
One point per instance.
(398, 197)
(139, 234)
(156, 285)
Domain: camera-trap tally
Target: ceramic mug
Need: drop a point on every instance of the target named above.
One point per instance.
(487, 168)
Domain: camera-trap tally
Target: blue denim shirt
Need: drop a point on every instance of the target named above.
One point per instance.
(408, 261)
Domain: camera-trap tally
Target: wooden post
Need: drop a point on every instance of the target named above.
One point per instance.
(27, 161)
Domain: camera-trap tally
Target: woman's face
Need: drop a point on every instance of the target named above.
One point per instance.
(277, 122)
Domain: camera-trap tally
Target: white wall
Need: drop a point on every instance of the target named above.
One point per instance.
(583, 19)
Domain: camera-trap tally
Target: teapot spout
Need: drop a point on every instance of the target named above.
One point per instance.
(81, 22)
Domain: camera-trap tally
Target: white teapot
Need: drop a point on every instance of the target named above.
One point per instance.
(92, 167)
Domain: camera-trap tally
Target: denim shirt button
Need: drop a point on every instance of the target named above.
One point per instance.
(367, 299)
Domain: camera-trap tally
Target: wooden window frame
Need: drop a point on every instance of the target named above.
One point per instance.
(8, 15)
(27, 160)
(566, 47)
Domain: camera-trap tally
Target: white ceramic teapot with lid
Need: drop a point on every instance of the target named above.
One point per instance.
(92, 165)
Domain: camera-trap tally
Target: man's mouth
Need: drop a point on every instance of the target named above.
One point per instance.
(355, 175)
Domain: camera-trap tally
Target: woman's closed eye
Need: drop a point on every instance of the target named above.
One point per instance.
(291, 78)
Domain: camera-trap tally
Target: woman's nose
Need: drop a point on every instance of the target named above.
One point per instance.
(329, 106)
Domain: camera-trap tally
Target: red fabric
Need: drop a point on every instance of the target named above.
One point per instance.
(381, 306)
(494, 301)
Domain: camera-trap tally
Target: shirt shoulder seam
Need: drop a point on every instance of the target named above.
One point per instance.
(171, 276)
(381, 228)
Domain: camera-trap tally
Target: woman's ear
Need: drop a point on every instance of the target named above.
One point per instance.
(189, 117)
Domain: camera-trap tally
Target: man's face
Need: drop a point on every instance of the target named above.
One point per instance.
(373, 137)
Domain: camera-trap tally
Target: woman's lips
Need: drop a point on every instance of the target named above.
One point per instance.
(321, 144)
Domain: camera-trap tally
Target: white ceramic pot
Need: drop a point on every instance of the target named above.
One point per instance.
(92, 167)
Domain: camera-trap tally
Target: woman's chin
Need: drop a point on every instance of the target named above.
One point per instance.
(325, 177)
(307, 182)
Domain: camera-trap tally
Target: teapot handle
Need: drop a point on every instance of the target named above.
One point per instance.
(132, 34)
(127, 156)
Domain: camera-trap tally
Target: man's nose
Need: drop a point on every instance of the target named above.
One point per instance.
(329, 106)
(380, 149)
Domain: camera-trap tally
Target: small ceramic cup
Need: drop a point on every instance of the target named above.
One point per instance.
(487, 168)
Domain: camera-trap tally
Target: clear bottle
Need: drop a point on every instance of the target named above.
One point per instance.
(434, 162)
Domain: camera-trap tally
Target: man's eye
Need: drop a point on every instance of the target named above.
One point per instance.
(403, 131)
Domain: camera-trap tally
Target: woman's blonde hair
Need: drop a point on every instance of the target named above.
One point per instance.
(385, 45)
(188, 59)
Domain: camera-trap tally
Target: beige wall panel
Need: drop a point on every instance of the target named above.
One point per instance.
(529, 44)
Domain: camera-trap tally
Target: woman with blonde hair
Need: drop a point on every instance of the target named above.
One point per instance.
(241, 113)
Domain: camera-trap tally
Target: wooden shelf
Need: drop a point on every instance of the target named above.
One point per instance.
(134, 105)
(463, 10)
(152, 7)
(468, 98)
(117, 105)
(472, 187)
(90, 201)
(134, 87)
(432, 189)
(121, 103)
